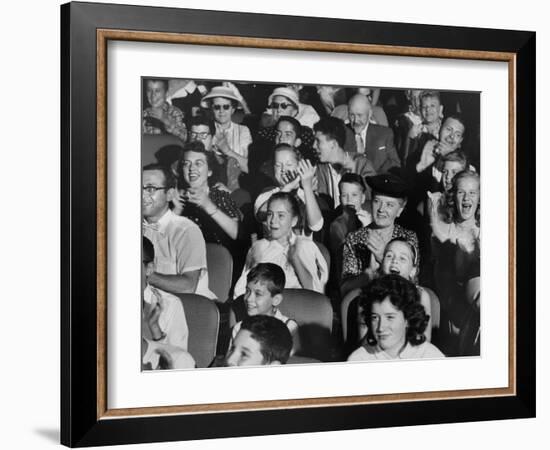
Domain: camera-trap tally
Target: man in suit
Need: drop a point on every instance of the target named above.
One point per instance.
(375, 141)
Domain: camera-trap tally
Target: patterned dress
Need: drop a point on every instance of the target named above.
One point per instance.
(211, 231)
(357, 256)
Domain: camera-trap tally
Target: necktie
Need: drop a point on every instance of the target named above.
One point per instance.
(360, 143)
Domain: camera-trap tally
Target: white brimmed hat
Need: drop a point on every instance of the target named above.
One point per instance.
(220, 91)
(286, 92)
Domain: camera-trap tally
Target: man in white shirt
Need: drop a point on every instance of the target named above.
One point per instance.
(180, 250)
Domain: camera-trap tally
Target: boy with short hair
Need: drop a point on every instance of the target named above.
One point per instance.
(262, 340)
(264, 293)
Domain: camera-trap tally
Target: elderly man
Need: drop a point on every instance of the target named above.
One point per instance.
(364, 248)
(330, 136)
(375, 141)
(180, 251)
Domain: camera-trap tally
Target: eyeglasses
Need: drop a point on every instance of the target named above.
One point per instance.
(151, 190)
(218, 107)
(201, 135)
(276, 105)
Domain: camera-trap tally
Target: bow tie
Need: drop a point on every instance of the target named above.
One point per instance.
(150, 226)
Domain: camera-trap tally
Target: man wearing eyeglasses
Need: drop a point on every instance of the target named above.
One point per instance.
(180, 251)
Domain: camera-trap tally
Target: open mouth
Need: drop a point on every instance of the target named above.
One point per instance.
(395, 270)
(467, 208)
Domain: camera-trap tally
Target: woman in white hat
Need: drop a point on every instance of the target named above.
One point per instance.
(231, 140)
(284, 101)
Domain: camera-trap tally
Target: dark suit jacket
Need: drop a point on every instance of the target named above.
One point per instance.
(379, 148)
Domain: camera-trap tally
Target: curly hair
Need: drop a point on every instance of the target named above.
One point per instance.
(404, 296)
(450, 211)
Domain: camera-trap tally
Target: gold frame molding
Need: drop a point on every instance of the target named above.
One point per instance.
(105, 35)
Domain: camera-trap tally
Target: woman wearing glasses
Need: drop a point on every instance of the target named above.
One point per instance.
(231, 139)
(284, 101)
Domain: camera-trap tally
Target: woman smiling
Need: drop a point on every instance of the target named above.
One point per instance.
(397, 321)
(212, 209)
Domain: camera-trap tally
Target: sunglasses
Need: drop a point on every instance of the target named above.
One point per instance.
(218, 107)
(275, 105)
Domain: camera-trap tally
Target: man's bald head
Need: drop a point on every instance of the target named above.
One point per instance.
(359, 112)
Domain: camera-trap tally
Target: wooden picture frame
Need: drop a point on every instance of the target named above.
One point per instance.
(86, 29)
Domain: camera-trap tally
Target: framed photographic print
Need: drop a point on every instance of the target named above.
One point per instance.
(273, 224)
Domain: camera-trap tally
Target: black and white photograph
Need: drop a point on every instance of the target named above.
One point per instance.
(288, 223)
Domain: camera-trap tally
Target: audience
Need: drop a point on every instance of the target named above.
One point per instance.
(393, 215)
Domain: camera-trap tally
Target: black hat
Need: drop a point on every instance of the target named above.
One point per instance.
(388, 184)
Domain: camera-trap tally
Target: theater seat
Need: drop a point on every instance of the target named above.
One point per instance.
(313, 313)
(152, 143)
(324, 252)
(203, 320)
(220, 270)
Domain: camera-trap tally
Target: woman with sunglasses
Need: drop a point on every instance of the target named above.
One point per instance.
(231, 139)
(284, 101)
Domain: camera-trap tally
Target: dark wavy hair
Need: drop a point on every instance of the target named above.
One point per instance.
(450, 211)
(198, 147)
(202, 119)
(333, 129)
(292, 121)
(404, 296)
(273, 336)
